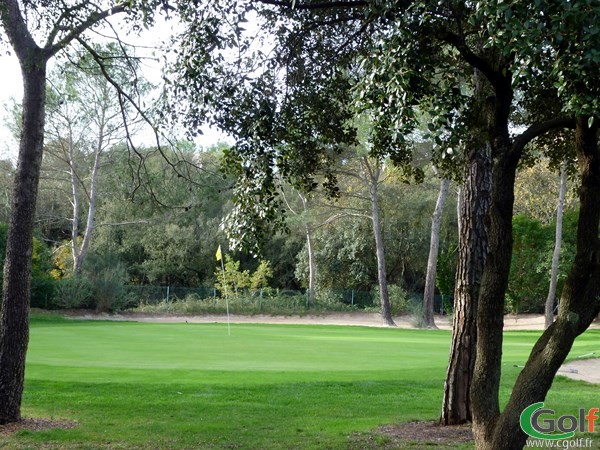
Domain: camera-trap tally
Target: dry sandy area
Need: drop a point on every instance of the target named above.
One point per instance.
(584, 369)
(511, 322)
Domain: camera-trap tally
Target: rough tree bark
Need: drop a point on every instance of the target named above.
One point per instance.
(434, 246)
(579, 305)
(551, 299)
(475, 204)
(456, 408)
(14, 328)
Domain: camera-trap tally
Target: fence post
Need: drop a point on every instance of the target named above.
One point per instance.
(352, 297)
(168, 287)
(214, 295)
(260, 302)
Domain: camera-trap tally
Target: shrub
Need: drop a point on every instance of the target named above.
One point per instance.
(74, 292)
(108, 276)
(398, 299)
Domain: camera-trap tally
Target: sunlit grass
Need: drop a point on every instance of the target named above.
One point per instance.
(149, 385)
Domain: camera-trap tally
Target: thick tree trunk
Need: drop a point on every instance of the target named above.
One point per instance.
(550, 300)
(577, 309)
(456, 408)
(494, 282)
(14, 331)
(473, 247)
(490, 314)
(434, 246)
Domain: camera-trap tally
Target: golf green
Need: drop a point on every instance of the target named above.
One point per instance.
(151, 385)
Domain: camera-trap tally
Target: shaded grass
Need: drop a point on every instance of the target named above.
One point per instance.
(148, 385)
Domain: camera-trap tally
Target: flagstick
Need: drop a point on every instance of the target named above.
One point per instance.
(226, 300)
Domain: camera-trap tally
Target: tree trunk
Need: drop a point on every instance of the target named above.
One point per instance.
(577, 309)
(490, 311)
(76, 207)
(473, 247)
(434, 245)
(311, 253)
(386, 311)
(550, 300)
(456, 407)
(311, 267)
(384, 296)
(459, 202)
(14, 331)
(89, 225)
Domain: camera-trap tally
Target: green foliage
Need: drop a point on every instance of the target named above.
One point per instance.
(6, 182)
(527, 287)
(108, 276)
(74, 292)
(99, 286)
(171, 243)
(236, 282)
(261, 276)
(42, 284)
(267, 302)
(399, 303)
(446, 268)
(533, 244)
(557, 39)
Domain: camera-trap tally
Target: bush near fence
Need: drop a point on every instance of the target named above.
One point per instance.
(208, 300)
(270, 301)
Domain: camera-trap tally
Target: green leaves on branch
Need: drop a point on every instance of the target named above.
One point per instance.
(237, 282)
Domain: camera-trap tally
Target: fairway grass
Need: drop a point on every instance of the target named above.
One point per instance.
(149, 385)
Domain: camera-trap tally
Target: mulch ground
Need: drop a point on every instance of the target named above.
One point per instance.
(31, 424)
(429, 432)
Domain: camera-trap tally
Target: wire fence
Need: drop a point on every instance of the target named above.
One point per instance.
(210, 299)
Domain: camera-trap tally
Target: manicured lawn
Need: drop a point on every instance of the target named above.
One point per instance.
(142, 385)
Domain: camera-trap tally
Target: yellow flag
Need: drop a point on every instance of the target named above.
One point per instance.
(219, 253)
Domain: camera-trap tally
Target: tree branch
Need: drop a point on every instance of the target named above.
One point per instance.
(341, 216)
(75, 33)
(293, 4)
(470, 57)
(15, 28)
(537, 129)
(115, 224)
(57, 26)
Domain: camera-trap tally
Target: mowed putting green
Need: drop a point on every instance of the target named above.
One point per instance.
(149, 385)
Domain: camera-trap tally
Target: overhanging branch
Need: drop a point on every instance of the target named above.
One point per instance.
(537, 129)
(470, 56)
(53, 48)
(293, 4)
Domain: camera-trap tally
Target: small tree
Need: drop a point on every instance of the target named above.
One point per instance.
(261, 276)
(235, 280)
